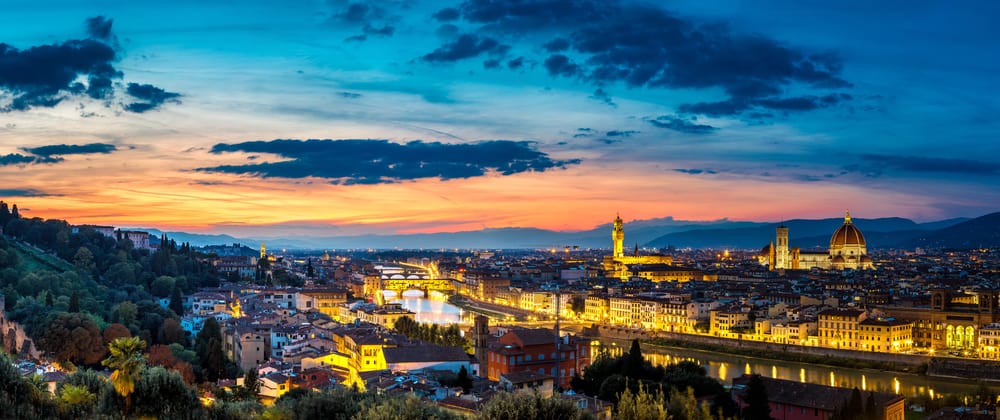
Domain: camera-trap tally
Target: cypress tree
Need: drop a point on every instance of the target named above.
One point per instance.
(177, 301)
(74, 303)
(756, 399)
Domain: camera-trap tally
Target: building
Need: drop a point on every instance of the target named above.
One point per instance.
(840, 328)
(886, 335)
(528, 381)
(523, 349)
(616, 264)
(952, 322)
(792, 400)
(140, 240)
(848, 250)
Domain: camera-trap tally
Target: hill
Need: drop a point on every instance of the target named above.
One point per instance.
(981, 232)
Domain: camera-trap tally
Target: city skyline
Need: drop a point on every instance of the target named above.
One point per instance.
(349, 118)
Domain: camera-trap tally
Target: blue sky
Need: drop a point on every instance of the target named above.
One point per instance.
(492, 114)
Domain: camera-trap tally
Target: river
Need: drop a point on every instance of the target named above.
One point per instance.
(725, 367)
(434, 310)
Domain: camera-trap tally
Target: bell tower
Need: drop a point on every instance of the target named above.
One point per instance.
(263, 251)
(618, 237)
(781, 248)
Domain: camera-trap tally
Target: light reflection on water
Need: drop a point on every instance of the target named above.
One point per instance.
(435, 310)
(725, 367)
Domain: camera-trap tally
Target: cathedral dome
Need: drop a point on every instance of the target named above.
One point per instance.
(847, 235)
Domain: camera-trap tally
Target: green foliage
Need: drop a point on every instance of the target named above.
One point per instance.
(684, 405)
(73, 338)
(641, 405)
(433, 333)
(127, 360)
(401, 408)
(530, 406)
(177, 301)
(234, 410)
(341, 404)
(162, 393)
(76, 401)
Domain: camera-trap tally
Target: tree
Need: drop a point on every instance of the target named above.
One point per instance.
(578, 305)
(758, 407)
(634, 363)
(464, 380)
(115, 331)
(406, 407)
(127, 361)
(686, 406)
(84, 260)
(76, 401)
(172, 332)
(161, 355)
(530, 406)
(642, 405)
(74, 302)
(177, 301)
(310, 272)
(163, 393)
(208, 346)
(73, 338)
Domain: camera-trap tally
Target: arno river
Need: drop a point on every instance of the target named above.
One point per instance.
(725, 367)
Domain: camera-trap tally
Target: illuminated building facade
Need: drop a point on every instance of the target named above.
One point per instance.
(617, 264)
(848, 250)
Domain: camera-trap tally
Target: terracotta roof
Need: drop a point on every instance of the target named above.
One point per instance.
(534, 336)
(424, 353)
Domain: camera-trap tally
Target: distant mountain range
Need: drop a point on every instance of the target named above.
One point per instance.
(892, 232)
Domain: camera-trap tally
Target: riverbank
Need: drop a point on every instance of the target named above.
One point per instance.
(907, 363)
(940, 367)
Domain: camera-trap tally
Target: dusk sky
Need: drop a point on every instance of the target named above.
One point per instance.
(343, 118)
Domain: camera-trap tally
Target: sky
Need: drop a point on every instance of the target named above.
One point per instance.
(401, 116)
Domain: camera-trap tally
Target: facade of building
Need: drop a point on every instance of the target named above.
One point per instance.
(841, 328)
(523, 349)
(848, 250)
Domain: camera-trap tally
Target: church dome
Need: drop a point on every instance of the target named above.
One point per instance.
(846, 235)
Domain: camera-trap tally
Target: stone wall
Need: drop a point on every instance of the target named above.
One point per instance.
(14, 337)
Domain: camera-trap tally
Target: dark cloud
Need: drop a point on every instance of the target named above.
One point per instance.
(446, 14)
(601, 95)
(151, 96)
(99, 28)
(560, 65)
(358, 13)
(681, 124)
(466, 46)
(491, 63)
(556, 45)
(23, 192)
(386, 30)
(515, 63)
(349, 95)
(70, 149)
(535, 14)
(380, 161)
(695, 171)
(19, 159)
(874, 164)
(447, 31)
(642, 45)
(621, 133)
(45, 75)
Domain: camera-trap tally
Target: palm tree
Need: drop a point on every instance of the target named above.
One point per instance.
(127, 361)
